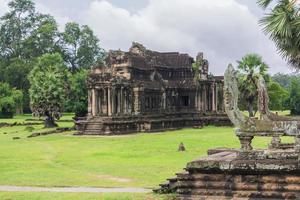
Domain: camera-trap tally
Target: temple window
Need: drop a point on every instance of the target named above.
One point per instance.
(185, 101)
(147, 102)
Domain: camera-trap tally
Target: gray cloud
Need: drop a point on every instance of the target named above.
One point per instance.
(3, 7)
(225, 30)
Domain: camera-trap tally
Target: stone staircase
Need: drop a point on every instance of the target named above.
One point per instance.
(94, 127)
(207, 182)
(195, 186)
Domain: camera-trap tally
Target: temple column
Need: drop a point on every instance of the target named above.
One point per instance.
(119, 101)
(126, 101)
(94, 102)
(109, 102)
(199, 100)
(223, 104)
(136, 105)
(164, 100)
(99, 101)
(213, 97)
(122, 101)
(205, 106)
(130, 101)
(104, 104)
(90, 102)
(196, 100)
(217, 97)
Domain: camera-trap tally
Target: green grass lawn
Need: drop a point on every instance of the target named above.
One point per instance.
(79, 196)
(22, 118)
(140, 160)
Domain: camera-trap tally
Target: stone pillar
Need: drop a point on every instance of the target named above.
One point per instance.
(217, 96)
(196, 99)
(164, 99)
(199, 99)
(125, 101)
(109, 102)
(90, 102)
(136, 105)
(122, 101)
(204, 100)
(130, 101)
(94, 102)
(213, 91)
(246, 142)
(104, 105)
(100, 99)
(119, 101)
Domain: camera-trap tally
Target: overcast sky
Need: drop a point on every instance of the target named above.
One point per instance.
(225, 30)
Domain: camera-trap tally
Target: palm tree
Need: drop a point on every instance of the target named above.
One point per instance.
(250, 68)
(282, 24)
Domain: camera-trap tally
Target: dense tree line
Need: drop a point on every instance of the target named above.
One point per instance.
(28, 42)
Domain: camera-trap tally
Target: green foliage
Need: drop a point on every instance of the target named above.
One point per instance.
(26, 35)
(196, 68)
(77, 98)
(283, 79)
(278, 96)
(249, 68)
(16, 26)
(295, 97)
(283, 27)
(10, 99)
(49, 81)
(80, 47)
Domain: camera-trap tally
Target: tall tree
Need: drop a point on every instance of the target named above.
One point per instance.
(49, 82)
(10, 100)
(282, 24)
(44, 37)
(16, 26)
(249, 68)
(80, 46)
(24, 36)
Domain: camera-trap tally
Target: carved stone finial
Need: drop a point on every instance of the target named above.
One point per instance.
(137, 48)
(231, 97)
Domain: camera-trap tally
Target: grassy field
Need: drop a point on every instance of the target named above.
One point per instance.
(140, 160)
(79, 196)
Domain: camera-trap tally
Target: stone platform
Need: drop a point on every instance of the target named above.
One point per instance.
(231, 174)
(150, 123)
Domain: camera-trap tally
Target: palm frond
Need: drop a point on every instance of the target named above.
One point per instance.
(264, 3)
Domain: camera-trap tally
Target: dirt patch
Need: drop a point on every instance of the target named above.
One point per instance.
(112, 178)
(72, 189)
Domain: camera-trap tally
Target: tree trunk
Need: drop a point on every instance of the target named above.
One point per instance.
(49, 122)
(250, 108)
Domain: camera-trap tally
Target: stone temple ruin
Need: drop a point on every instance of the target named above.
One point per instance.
(144, 91)
(245, 173)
